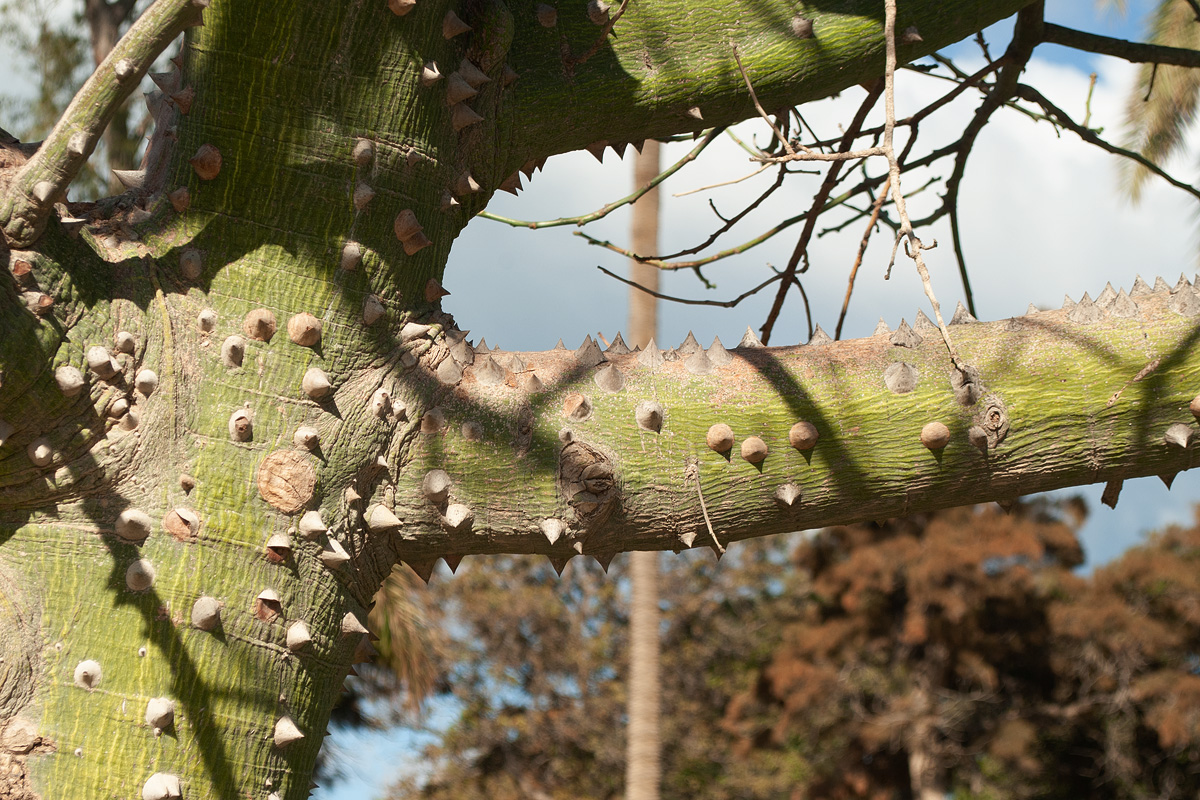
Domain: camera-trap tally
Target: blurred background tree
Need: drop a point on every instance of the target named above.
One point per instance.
(957, 654)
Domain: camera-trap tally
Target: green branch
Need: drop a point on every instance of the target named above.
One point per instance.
(43, 181)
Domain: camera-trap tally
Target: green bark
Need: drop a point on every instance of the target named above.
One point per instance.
(284, 91)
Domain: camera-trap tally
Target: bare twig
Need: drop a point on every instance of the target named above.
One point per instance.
(604, 211)
(762, 112)
(961, 86)
(1087, 106)
(662, 263)
(983, 46)
(912, 244)
(693, 474)
(685, 301)
(849, 155)
(698, 189)
(819, 200)
(735, 219)
(862, 249)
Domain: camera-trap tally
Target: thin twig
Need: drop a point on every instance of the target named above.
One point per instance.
(762, 112)
(807, 308)
(862, 249)
(693, 474)
(961, 86)
(849, 155)
(613, 206)
(983, 46)
(1087, 106)
(699, 189)
(685, 301)
(663, 264)
(913, 246)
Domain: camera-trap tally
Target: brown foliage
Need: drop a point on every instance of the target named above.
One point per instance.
(957, 652)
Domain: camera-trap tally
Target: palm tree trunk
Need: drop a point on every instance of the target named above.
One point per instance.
(643, 747)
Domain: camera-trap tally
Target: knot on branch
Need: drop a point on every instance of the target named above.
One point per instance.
(994, 420)
(586, 481)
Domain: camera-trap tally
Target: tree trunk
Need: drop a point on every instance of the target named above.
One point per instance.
(644, 747)
(131, 504)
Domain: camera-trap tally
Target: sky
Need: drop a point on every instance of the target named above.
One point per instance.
(1042, 217)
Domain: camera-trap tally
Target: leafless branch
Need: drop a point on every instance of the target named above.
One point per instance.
(663, 264)
(685, 301)
(862, 249)
(1134, 52)
(1061, 117)
(747, 177)
(966, 82)
(604, 211)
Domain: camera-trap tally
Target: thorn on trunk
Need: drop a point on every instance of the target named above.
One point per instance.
(1112, 493)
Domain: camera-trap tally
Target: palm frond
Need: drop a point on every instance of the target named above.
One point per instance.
(408, 646)
(1163, 104)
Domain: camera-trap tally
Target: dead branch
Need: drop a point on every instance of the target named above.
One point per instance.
(862, 249)
(1134, 52)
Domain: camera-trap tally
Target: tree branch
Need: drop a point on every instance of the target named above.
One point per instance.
(1060, 117)
(43, 181)
(1135, 52)
(684, 300)
(627, 76)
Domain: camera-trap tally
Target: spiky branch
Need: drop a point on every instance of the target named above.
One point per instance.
(29, 198)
